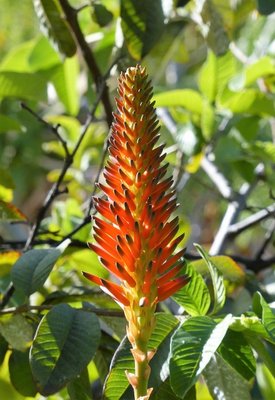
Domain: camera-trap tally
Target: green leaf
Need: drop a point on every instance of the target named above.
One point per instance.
(217, 281)
(216, 37)
(142, 23)
(100, 14)
(215, 73)
(194, 297)
(80, 388)
(55, 26)
(223, 382)
(65, 342)
(264, 150)
(17, 331)
(264, 312)
(3, 349)
(9, 212)
(226, 265)
(43, 56)
(235, 350)
(266, 381)
(189, 99)
(9, 124)
(20, 373)
(116, 383)
(250, 101)
(29, 86)
(266, 7)
(192, 347)
(64, 80)
(207, 120)
(262, 67)
(33, 268)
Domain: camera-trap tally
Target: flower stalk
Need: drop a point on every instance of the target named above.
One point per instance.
(136, 234)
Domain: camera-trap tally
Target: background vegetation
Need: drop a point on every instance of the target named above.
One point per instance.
(211, 63)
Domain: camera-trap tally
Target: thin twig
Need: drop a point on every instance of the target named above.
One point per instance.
(53, 128)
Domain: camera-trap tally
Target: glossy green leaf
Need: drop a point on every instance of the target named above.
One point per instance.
(207, 120)
(116, 383)
(55, 26)
(223, 382)
(20, 373)
(192, 347)
(80, 388)
(8, 124)
(264, 312)
(194, 297)
(65, 342)
(23, 85)
(31, 270)
(142, 23)
(189, 99)
(219, 292)
(236, 351)
(64, 80)
(17, 331)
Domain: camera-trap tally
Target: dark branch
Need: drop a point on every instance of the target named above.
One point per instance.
(71, 17)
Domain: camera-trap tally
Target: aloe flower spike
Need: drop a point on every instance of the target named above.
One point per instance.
(136, 234)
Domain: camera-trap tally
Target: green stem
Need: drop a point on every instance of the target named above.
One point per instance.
(142, 374)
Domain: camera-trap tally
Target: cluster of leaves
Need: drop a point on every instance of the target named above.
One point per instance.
(212, 66)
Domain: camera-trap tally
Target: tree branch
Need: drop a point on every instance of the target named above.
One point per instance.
(26, 308)
(250, 221)
(71, 17)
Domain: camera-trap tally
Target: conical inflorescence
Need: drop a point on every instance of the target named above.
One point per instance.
(136, 234)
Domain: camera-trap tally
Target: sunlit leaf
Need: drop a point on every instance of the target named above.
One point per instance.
(192, 347)
(226, 265)
(55, 26)
(217, 281)
(142, 23)
(264, 312)
(262, 67)
(7, 259)
(65, 342)
(194, 297)
(9, 212)
(189, 99)
(64, 80)
(215, 73)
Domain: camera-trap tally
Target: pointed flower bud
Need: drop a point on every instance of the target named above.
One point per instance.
(136, 234)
